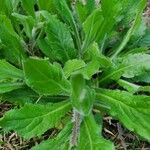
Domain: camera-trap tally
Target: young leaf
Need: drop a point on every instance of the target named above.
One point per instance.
(91, 27)
(34, 119)
(82, 96)
(72, 66)
(84, 9)
(67, 15)
(59, 41)
(98, 24)
(46, 79)
(132, 29)
(90, 136)
(60, 142)
(87, 70)
(64, 11)
(132, 111)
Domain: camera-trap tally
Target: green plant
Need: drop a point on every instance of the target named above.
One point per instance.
(59, 61)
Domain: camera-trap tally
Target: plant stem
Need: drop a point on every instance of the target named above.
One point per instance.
(76, 128)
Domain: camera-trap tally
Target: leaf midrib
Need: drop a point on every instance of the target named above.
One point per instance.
(89, 135)
(63, 106)
(119, 70)
(47, 77)
(115, 99)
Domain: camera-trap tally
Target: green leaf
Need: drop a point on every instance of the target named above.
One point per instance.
(91, 68)
(61, 142)
(82, 96)
(8, 71)
(33, 119)
(130, 9)
(133, 111)
(46, 5)
(101, 22)
(29, 6)
(9, 86)
(72, 66)
(12, 49)
(20, 96)
(132, 29)
(144, 77)
(10, 77)
(92, 26)
(137, 63)
(145, 39)
(26, 21)
(132, 88)
(46, 79)
(84, 9)
(90, 137)
(7, 6)
(59, 41)
(68, 17)
(87, 70)
(130, 66)
(64, 11)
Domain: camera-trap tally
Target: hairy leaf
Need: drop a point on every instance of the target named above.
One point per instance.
(130, 66)
(34, 119)
(60, 142)
(58, 40)
(45, 78)
(8, 71)
(140, 63)
(98, 24)
(132, 111)
(85, 8)
(132, 29)
(90, 136)
(144, 77)
(20, 96)
(12, 49)
(9, 86)
(72, 66)
(26, 21)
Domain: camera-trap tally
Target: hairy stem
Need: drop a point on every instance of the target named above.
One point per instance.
(77, 118)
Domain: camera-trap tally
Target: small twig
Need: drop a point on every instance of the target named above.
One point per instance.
(120, 131)
(11, 136)
(109, 132)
